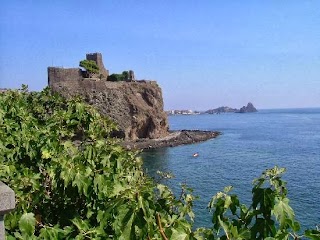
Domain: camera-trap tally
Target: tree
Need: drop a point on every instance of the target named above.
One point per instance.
(90, 66)
(125, 75)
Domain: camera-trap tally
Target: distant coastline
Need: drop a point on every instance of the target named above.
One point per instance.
(249, 108)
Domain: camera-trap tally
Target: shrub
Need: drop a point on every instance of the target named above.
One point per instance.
(116, 77)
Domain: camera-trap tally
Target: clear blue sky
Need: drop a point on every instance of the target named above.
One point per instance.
(204, 54)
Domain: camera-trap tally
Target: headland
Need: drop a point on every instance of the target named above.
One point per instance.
(136, 106)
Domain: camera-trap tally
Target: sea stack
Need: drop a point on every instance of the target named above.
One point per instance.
(248, 109)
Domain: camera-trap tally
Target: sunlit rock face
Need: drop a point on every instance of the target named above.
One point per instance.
(137, 107)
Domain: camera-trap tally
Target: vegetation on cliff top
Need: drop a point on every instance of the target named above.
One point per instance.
(90, 66)
(73, 181)
(116, 77)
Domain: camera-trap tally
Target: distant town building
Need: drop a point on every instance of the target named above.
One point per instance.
(182, 112)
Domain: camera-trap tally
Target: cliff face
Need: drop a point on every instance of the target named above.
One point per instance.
(137, 107)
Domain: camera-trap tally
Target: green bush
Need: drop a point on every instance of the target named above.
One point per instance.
(73, 181)
(116, 77)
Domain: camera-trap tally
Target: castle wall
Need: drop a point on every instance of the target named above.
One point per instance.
(56, 74)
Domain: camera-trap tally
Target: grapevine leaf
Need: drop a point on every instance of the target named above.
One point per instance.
(179, 234)
(283, 211)
(27, 224)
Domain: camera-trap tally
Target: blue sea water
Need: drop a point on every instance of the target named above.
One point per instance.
(249, 144)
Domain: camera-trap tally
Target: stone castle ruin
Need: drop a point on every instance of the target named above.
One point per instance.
(136, 106)
(58, 74)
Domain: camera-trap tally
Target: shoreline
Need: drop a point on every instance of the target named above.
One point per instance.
(173, 139)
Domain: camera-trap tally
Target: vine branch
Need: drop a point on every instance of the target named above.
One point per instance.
(160, 227)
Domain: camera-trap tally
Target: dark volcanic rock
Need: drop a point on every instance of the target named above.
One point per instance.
(137, 107)
(175, 138)
(247, 109)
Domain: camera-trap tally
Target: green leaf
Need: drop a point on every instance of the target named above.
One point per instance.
(117, 189)
(227, 202)
(80, 224)
(224, 226)
(283, 211)
(45, 154)
(11, 237)
(313, 234)
(27, 224)
(179, 234)
(127, 227)
(263, 197)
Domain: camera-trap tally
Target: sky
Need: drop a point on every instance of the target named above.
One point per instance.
(203, 54)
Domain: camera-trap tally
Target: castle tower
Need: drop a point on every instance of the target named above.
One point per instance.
(97, 57)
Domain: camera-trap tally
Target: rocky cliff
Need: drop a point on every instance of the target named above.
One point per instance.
(137, 107)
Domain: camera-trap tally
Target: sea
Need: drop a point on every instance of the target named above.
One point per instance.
(249, 144)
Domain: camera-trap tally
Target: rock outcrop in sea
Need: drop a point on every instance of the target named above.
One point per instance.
(245, 109)
(221, 110)
(248, 109)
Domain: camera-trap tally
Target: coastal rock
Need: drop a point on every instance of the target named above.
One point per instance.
(137, 107)
(174, 138)
(247, 109)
